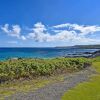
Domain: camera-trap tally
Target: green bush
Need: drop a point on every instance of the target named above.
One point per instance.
(15, 69)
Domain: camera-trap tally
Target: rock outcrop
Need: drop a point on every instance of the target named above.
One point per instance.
(95, 54)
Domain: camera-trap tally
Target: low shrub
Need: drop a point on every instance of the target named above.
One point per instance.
(15, 69)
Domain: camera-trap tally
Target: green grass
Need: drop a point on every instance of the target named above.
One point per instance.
(87, 90)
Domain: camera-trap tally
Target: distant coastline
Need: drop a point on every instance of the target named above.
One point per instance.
(97, 46)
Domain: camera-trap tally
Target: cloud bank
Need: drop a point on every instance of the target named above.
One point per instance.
(63, 32)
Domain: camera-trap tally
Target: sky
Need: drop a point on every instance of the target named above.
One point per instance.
(49, 23)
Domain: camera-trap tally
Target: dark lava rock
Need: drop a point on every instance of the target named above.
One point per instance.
(87, 53)
(95, 54)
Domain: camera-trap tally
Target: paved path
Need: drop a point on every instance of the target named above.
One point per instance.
(56, 90)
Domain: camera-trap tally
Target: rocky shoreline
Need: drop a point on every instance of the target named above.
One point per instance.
(95, 54)
(85, 54)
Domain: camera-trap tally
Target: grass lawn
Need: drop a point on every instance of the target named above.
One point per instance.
(87, 90)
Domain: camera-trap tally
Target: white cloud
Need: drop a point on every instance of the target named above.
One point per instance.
(15, 31)
(64, 32)
(5, 28)
(84, 30)
(41, 34)
(23, 37)
(61, 25)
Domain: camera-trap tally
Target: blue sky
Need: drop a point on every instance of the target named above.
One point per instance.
(49, 22)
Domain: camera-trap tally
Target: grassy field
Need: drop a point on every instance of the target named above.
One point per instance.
(87, 90)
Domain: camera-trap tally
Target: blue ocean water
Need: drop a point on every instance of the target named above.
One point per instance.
(6, 53)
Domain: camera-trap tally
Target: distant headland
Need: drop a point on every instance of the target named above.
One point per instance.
(97, 46)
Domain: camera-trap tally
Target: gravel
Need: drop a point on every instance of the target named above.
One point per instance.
(56, 90)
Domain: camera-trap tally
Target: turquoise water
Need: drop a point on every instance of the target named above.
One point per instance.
(6, 53)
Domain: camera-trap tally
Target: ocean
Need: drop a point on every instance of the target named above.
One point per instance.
(8, 53)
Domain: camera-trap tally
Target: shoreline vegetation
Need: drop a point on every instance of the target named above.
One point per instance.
(13, 69)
